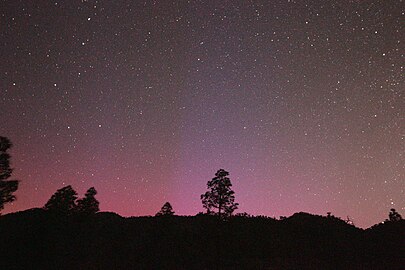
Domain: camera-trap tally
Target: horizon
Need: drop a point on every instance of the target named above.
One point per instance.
(152, 212)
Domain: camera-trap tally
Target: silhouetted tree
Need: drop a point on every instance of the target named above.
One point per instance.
(7, 187)
(166, 210)
(220, 195)
(63, 201)
(88, 205)
(394, 215)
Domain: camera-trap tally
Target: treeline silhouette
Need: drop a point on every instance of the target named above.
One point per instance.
(37, 239)
(70, 233)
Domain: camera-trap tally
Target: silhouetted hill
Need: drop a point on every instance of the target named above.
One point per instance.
(35, 239)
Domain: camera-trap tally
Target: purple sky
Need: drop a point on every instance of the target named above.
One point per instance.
(301, 101)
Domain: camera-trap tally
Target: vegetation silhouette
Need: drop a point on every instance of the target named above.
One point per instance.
(88, 205)
(33, 239)
(71, 233)
(394, 215)
(7, 187)
(166, 210)
(220, 195)
(64, 202)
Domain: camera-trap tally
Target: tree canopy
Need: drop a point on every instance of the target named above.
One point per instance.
(219, 196)
(63, 201)
(166, 210)
(7, 187)
(89, 204)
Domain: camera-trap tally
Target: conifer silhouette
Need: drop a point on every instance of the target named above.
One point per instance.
(7, 187)
(220, 195)
(166, 210)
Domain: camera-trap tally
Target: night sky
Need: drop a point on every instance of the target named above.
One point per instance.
(301, 101)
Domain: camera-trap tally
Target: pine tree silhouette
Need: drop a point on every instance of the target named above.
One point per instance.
(7, 187)
(166, 210)
(220, 195)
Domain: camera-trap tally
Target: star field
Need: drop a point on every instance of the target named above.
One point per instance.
(301, 101)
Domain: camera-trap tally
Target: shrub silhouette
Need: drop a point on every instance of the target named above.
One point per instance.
(394, 215)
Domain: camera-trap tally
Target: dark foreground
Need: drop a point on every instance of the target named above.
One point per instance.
(33, 239)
